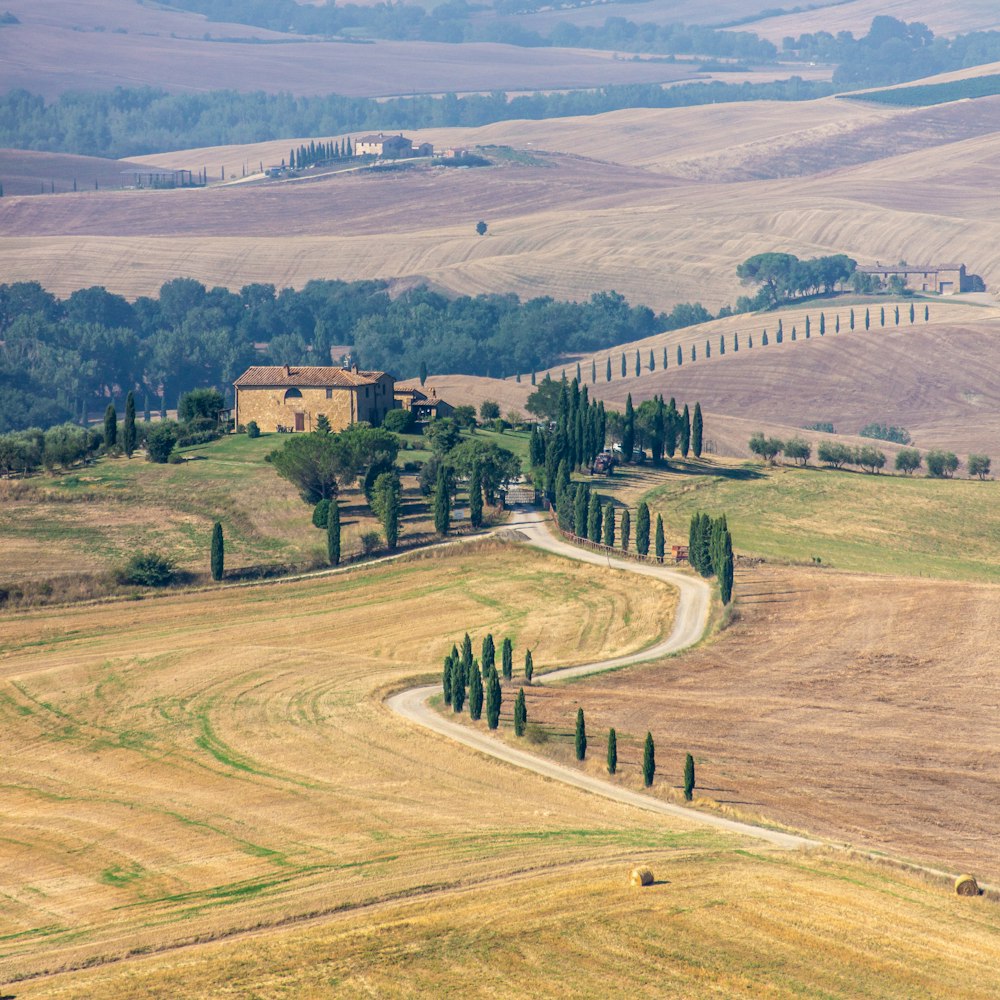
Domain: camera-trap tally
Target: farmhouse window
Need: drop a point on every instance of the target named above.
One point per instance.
(329, 393)
(293, 394)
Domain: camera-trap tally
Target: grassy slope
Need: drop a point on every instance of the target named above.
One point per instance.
(873, 524)
(199, 763)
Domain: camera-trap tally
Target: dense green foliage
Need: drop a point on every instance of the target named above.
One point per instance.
(612, 751)
(782, 277)
(926, 95)
(899, 435)
(580, 740)
(688, 778)
(160, 441)
(476, 694)
(642, 529)
(62, 357)
(648, 760)
(520, 713)
(333, 533)
(442, 502)
(129, 434)
(147, 569)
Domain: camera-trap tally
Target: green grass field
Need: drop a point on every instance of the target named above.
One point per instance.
(877, 524)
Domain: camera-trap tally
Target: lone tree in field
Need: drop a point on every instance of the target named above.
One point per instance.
(218, 552)
(333, 534)
(529, 666)
(612, 751)
(481, 227)
(626, 529)
(476, 496)
(493, 699)
(507, 659)
(520, 713)
(110, 427)
(642, 529)
(648, 761)
(581, 735)
(442, 502)
(697, 430)
(688, 778)
(129, 436)
(476, 694)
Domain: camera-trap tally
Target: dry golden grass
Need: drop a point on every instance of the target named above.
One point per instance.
(746, 924)
(194, 764)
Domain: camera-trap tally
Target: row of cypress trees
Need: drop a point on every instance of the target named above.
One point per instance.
(710, 551)
(129, 437)
(462, 675)
(442, 499)
(663, 427)
(319, 152)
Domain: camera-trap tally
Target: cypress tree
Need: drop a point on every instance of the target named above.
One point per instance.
(581, 735)
(594, 518)
(593, 371)
(851, 320)
(927, 313)
(794, 337)
(688, 778)
(467, 658)
(912, 314)
(697, 430)
(736, 342)
(218, 552)
(822, 325)
(580, 508)
(507, 658)
(685, 432)
(520, 713)
(442, 503)
(110, 426)
(652, 360)
(749, 341)
(476, 496)
(664, 359)
(609, 524)
(708, 349)
(128, 431)
(836, 324)
(726, 576)
(626, 529)
(868, 319)
(446, 680)
(659, 538)
(642, 529)
(648, 761)
(529, 667)
(476, 694)
(896, 315)
(624, 365)
(423, 372)
(489, 655)
(881, 316)
(638, 365)
(705, 545)
(612, 751)
(333, 533)
(457, 685)
(390, 517)
(808, 327)
(722, 344)
(680, 356)
(609, 369)
(493, 700)
(763, 339)
(693, 548)
(628, 430)
(533, 379)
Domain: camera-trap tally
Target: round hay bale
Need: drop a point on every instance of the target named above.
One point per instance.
(640, 877)
(966, 885)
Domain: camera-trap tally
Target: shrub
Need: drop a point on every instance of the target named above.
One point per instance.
(147, 569)
(321, 513)
(797, 449)
(253, 431)
(908, 460)
(399, 421)
(160, 441)
(882, 432)
(370, 541)
(979, 465)
(941, 464)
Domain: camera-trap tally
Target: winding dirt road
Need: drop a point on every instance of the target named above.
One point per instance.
(689, 626)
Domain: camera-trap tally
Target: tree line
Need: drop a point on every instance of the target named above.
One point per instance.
(838, 455)
(60, 359)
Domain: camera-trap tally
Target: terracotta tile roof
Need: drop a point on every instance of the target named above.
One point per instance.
(907, 268)
(293, 375)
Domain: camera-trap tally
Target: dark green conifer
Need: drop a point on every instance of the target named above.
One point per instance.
(493, 700)
(476, 496)
(529, 666)
(476, 694)
(659, 538)
(609, 369)
(457, 685)
(642, 529)
(520, 713)
(726, 576)
(489, 654)
(442, 503)
(626, 529)
(467, 658)
(688, 778)
(612, 751)
(648, 761)
(594, 518)
(580, 508)
(609, 524)
(697, 431)
(110, 427)
(685, 432)
(129, 436)
(333, 534)
(581, 735)
(507, 658)
(446, 680)
(218, 552)
(628, 430)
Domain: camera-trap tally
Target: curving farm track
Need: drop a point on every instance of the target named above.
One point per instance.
(689, 626)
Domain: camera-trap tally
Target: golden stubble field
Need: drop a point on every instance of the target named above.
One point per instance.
(659, 205)
(861, 708)
(185, 766)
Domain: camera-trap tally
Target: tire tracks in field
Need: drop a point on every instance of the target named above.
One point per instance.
(689, 626)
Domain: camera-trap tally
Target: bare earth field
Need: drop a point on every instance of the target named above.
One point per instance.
(834, 703)
(25, 171)
(659, 209)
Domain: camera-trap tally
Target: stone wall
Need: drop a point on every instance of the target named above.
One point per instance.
(270, 408)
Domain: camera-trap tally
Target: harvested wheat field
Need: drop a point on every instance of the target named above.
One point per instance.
(862, 709)
(192, 765)
(725, 924)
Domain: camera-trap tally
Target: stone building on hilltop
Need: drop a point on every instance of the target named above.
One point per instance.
(291, 398)
(941, 279)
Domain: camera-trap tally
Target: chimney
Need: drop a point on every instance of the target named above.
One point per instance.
(354, 368)
(288, 371)
(434, 392)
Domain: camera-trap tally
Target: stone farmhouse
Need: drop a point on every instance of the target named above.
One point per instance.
(290, 398)
(390, 147)
(942, 279)
(423, 407)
